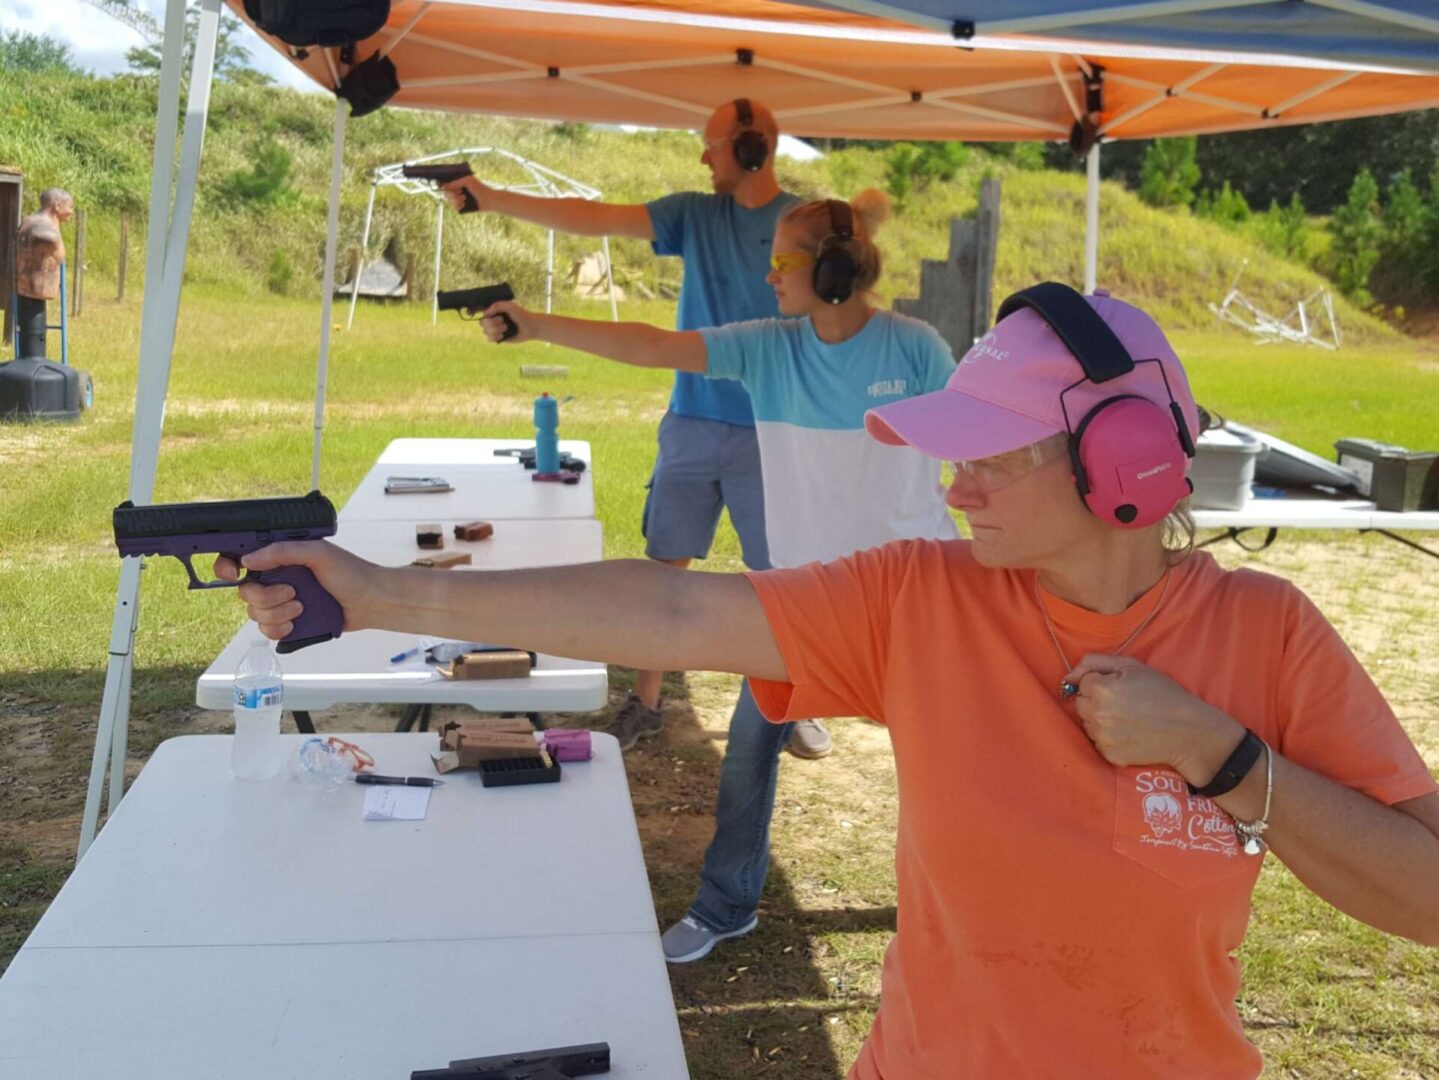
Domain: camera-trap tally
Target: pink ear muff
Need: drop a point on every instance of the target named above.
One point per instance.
(1129, 467)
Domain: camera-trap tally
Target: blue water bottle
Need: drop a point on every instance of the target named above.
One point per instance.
(547, 435)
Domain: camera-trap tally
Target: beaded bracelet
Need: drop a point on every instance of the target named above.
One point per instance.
(1253, 831)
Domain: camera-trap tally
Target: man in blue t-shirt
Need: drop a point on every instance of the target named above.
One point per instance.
(708, 456)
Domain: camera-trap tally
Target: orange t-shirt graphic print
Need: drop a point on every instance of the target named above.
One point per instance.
(1157, 823)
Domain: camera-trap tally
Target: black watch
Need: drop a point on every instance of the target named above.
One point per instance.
(1235, 768)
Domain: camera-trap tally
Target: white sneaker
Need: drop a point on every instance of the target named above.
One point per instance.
(809, 740)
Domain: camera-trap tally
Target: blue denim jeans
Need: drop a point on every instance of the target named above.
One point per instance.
(737, 859)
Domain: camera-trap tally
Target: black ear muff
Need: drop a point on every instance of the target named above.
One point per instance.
(835, 268)
(751, 148)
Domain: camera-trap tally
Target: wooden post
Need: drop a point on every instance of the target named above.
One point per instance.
(124, 257)
(77, 275)
(956, 295)
(12, 189)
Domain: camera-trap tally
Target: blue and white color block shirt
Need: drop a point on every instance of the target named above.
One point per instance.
(830, 489)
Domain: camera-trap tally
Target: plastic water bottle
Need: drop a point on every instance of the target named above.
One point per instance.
(259, 695)
(547, 434)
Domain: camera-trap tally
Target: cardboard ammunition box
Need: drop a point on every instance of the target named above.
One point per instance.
(444, 562)
(507, 664)
(474, 530)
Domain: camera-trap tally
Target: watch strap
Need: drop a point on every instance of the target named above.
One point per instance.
(1235, 768)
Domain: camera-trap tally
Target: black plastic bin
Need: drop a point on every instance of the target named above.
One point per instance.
(1395, 478)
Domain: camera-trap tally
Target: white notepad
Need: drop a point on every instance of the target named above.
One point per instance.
(392, 802)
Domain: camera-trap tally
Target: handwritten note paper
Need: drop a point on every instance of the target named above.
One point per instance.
(394, 803)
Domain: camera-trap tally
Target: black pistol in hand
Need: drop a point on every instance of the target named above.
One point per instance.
(472, 302)
(448, 173)
(233, 529)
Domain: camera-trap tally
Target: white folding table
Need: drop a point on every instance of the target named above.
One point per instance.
(1286, 513)
(357, 668)
(487, 485)
(224, 928)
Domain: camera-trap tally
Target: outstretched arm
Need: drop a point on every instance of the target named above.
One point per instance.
(579, 217)
(633, 612)
(637, 344)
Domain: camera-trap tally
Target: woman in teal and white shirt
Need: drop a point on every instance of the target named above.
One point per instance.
(829, 489)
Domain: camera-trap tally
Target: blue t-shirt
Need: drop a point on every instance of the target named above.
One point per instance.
(829, 488)
(726, 252)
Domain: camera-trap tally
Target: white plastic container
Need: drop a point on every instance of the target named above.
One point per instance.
(1223, 469)
(259, 699)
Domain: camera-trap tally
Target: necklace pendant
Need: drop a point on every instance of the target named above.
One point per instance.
(1252, 846)
(1068, 690)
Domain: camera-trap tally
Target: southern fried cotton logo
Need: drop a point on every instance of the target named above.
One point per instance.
(889, 388)
(1180, 820)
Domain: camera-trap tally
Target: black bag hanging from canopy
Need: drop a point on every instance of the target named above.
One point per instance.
(303, 23)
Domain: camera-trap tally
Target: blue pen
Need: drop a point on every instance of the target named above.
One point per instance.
(407, 654)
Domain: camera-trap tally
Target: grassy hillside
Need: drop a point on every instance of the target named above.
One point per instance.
(94, 137)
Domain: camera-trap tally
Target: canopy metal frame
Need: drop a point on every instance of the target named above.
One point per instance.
(543, 182)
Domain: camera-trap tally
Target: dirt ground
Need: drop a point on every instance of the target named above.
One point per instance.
(795, 998)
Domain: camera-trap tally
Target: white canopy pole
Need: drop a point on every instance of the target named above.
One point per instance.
(1091, 220)
(327, 301)
(439, 241)
(364, 250)
(165, 242)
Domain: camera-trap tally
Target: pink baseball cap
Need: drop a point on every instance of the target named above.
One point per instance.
(1005, 393)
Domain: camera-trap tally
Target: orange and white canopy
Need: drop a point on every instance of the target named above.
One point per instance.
(667, 63)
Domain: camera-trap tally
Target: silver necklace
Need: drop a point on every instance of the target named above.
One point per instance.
(1068, 689)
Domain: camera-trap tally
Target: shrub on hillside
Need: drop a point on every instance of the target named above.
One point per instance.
(1358, 231)
(1283, 229)
(913, 168)
(279, 273)
(266, 182)
(1025, 156)
(1226, 206)
(1170, 172)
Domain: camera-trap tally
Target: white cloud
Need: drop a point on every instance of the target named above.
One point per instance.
(99, 41)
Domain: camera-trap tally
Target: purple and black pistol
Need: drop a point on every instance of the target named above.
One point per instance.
(233, 529)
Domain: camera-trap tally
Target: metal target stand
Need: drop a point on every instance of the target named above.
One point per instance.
(543, 182)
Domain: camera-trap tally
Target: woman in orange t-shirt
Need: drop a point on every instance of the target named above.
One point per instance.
(1097, 734)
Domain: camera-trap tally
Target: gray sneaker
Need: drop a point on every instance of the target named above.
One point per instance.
(689, 939)
(635, 721)
(809, 740)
